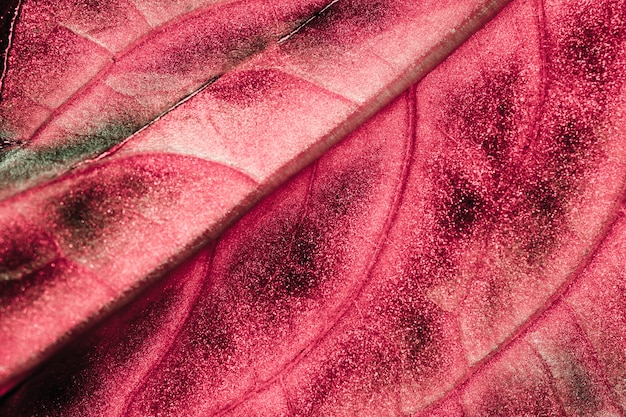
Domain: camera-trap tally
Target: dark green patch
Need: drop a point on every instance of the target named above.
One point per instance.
(23, 164)
(7, 141)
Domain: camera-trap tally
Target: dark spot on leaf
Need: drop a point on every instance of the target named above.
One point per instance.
(294, 256)
(80, 370)
(461, 206)
(300, 276)
(24, 249)
(486, 114)
(93, 6)
(546, 203)
(291, 266)
(574, 146)
(135, 327)
(347, 189)
(54, 394)
(7, 142)
(582, 392)
(247, 47)
(220, 46)
(358, 13)
(91, 207)
(339, 22)
(592, 46)
(205, 339)
(420, 332)
(209, 336)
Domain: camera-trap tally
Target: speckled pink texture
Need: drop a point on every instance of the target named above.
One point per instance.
(132, 134)
(460, 254)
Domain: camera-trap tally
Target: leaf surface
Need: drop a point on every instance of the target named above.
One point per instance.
(134, 133)
(460, 254)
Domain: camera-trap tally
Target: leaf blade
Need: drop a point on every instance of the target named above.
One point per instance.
(44, 177)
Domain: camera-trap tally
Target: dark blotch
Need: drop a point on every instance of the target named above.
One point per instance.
(209, 336)
(574, 141)
(86, 212)
(293, 256)
(290, 264)
(29, 263)
(221, 47)
(53, 393)
(486, 114)
(418, 324)
(93, 6)
(593, 45)
(24, 249)
(549, 186)
(79, 212)
(582, 393)
(461, 207)
(546, 202)
(358, 13)
(7, 142)
(362, 363)
(343, 22)
(344, 191)
(300, 277)
(69, 383)
(206, 339)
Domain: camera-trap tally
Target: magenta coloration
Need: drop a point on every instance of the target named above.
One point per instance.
(138, 133)
(162, 67)
(457, 255)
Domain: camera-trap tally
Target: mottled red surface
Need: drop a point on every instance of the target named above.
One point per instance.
(133, 133)
(460, 254)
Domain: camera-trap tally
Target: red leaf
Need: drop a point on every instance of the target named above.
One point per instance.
(133, 136)
(459, 254)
